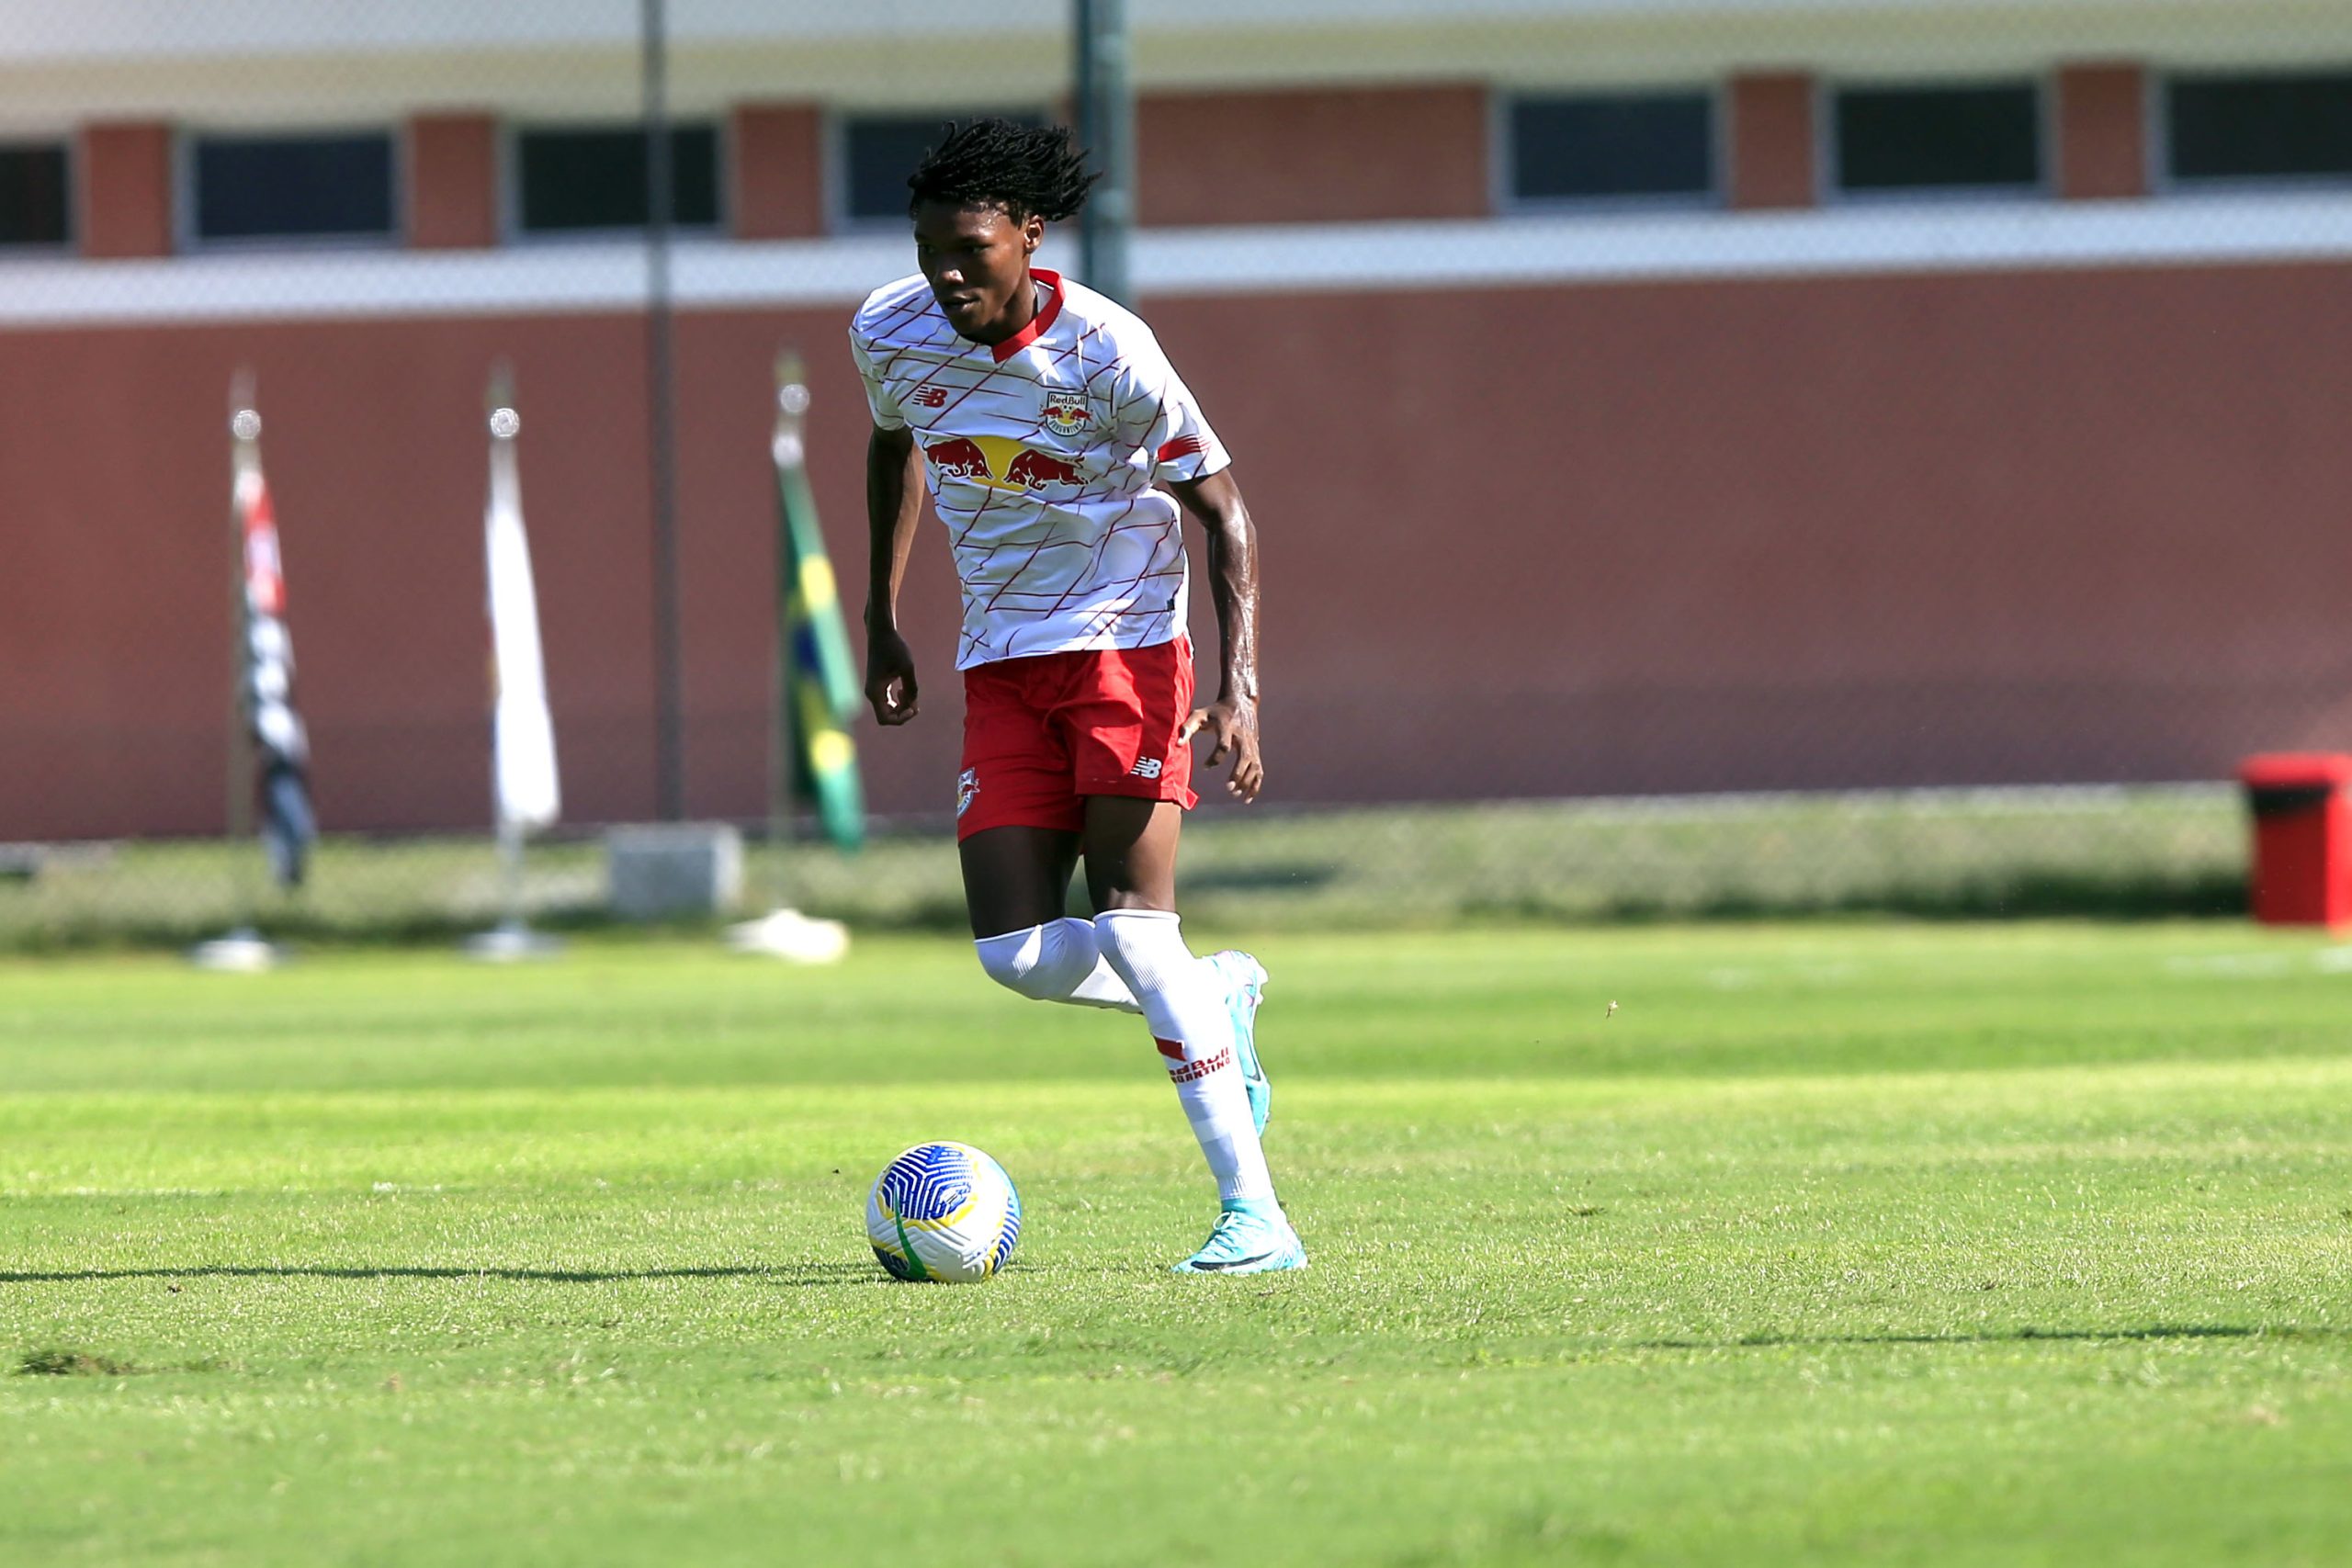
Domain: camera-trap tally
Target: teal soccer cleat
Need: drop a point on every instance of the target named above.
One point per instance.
(1245, 988)
(1249, 1238)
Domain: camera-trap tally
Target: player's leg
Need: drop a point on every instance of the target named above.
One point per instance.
(1121, 718)
(1130, 849)
(1016, 885)
(1017, 826)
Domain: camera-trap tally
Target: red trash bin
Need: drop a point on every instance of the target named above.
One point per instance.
(2302, 837)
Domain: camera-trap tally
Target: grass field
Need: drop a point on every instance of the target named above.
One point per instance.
(2020, 1244)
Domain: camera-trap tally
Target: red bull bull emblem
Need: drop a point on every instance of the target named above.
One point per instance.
(958, 457)
(999, 463)
(1035, 470)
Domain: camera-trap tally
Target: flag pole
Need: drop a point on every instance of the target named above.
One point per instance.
(243, 949)
(512, 932)
(512, 938)
(784, 931)
(789, 449)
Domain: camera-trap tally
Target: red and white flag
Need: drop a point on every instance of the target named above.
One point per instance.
(281, 746)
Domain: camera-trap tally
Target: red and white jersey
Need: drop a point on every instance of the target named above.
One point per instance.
(1043, 452)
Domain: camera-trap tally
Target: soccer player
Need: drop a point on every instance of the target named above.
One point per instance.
(1046, 418)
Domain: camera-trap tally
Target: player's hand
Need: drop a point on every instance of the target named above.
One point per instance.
(889, 677)
(1234, 727)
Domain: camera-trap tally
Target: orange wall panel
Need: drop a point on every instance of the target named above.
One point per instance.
(2102, 133)
(777, 173)
(1774, 152)
(453, 182)
(126, 191)
(1346, 154)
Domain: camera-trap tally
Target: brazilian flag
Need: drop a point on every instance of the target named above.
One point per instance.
(819, 683)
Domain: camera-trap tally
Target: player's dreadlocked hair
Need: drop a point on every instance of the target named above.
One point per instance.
(1024, 169)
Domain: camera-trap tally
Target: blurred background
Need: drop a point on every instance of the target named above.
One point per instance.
(1712, 455)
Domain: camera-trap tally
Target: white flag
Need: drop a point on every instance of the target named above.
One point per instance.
(525, 733)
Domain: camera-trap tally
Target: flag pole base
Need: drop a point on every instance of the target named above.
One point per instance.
(788, 934)
(242, 952)
(511, 942)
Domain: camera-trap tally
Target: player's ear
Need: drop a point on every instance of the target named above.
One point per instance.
(1033, 231)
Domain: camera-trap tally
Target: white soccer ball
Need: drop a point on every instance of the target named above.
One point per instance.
(942, 1211)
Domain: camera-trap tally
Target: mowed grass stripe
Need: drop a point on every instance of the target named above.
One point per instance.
(100, 1143)
(1707, 1003)
(2076, 1192)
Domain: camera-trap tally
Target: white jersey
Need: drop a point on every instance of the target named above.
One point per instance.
(1043, 452)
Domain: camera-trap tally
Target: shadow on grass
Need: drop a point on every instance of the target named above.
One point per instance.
(798, 1274)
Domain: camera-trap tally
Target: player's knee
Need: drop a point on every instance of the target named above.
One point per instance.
(1037, 962)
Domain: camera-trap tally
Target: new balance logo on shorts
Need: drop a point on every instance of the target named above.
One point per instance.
(1182, 1071)
(1146, 768)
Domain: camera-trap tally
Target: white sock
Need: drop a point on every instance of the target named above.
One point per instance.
(1186, 1011)
(1055, 963)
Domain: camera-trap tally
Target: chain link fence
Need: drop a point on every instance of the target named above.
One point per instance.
(1710, 458)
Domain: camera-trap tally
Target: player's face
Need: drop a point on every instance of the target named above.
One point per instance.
(977, 261)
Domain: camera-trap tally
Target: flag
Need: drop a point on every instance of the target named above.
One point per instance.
(522, 732)
(266, 689)
(820, 687)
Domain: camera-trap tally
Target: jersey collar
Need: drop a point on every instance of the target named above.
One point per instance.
(1050, 308)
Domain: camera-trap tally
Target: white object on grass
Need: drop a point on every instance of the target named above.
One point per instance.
(789, 934)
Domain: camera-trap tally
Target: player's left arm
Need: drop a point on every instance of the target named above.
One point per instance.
(1214, 500)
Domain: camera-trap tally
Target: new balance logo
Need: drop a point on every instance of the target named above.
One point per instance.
(931, 397)
(1186, 1072)
(1147, 768)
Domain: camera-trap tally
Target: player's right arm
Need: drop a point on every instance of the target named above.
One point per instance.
(893, 509)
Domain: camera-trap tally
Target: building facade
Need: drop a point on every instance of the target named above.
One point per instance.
(1680, 396)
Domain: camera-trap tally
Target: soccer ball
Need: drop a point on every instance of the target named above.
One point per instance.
(942, 1211)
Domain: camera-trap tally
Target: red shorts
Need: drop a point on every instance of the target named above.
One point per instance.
(1041, 734)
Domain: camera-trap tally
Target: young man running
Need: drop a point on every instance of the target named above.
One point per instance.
(1044, 416)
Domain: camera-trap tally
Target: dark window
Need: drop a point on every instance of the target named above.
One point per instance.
(1931, 137)
(579, 177)
(1604, 145)
(2272, 127)
(33, 195)
(285, 186)
(880, 150)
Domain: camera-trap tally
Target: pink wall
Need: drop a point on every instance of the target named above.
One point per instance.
(1993, 528)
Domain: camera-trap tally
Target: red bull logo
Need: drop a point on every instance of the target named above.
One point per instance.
(1065, 413)
(1035, 470)
(958, 459)
(999, 463)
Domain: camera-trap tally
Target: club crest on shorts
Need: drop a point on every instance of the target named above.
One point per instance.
(968, 788)
(1066, 412)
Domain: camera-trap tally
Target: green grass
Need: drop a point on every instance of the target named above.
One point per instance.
(2138, 852)
(1836, 1244)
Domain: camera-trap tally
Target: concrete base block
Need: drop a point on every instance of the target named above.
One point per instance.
(673, 870)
